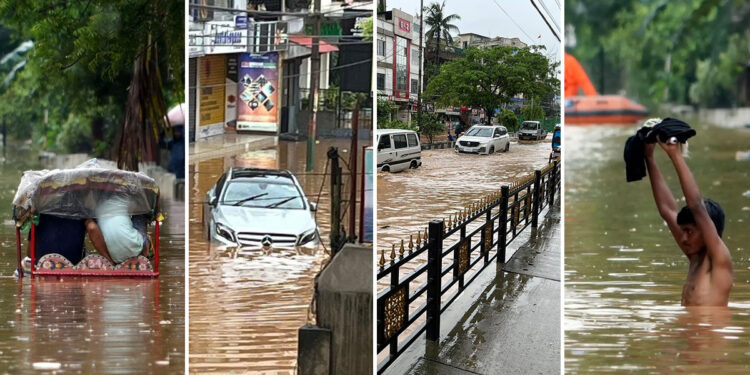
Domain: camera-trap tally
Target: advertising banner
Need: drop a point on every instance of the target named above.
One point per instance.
(211, 76)
(257, 91)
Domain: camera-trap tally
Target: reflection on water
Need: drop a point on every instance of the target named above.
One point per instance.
(246, 306)
(624, 273)
(94, 325)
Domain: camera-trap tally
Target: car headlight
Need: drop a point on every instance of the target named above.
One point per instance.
(307, 237)
(226, 232)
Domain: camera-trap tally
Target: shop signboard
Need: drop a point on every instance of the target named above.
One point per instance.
(221, 37)
(257, 89)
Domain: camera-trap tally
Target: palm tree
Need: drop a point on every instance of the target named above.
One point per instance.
(440, 26)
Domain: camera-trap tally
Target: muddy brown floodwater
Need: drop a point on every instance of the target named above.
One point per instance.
(444, 184)
(245, 309)
(624, 273)
(90, 325)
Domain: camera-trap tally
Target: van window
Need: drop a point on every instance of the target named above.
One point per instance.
(497, 133)
(385, 142)
(399, 141)
(412, 139)
(503, 131)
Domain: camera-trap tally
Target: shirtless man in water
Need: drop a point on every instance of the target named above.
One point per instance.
(697, 229)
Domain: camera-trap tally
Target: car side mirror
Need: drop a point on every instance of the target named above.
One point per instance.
(313, 206)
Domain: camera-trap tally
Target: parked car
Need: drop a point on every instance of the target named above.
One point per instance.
(398, 150)
(531, 131)
(484, 140)
(260, 209)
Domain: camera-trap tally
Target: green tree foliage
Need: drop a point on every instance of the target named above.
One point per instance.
(509, 120)
(489, 77)
(431, 125)
(84, 60)
(688, 52)
(386, 110)
(532, 112)
(74, 136)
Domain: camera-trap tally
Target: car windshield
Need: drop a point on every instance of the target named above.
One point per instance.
(263, 194)
(480, 132)
(528, 126)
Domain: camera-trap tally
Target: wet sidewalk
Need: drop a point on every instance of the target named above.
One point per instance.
(506, 322)
(227, 144)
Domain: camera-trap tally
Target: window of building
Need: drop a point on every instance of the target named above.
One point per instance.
(381, 81)
(414, 85)
(381, 47)
(415, 56)
(402, 52)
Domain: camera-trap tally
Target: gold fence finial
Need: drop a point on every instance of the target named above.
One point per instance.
(382, 258)
(393, 252)
(419, 238)
(411, 242)
(401, 249)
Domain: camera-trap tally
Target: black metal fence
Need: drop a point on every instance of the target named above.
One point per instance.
(476, 235)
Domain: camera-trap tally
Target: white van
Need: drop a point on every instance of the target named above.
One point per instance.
(398, 149)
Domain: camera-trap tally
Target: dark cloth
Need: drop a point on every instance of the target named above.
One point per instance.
(635, 159)
(668, 128)
(60, 235)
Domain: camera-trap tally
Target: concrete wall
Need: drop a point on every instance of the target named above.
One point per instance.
(344, 306)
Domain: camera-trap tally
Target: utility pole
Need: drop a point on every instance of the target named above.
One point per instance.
(419, 92)
(314, 84)
(353, 176)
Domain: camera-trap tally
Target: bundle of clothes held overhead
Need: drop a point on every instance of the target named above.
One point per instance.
(668, 130)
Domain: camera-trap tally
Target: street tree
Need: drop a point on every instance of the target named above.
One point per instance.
(532, 112)
(440, 27)
(509, 120)
(116, 62)
(431, 125)
(686, 52)
(489, 77)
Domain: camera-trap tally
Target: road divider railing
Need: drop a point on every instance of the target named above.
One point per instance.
(457, 248)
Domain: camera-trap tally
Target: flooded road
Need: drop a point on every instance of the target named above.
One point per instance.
(624, 273)
(246, 308)
(85, 326)
(445, 183)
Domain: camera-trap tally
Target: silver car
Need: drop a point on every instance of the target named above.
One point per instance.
(260, 209)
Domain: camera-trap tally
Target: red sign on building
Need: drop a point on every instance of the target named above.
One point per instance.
(404, 25)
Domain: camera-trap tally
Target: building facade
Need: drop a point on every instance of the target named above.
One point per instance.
(467, 40)
(252, 71)
(398, 55)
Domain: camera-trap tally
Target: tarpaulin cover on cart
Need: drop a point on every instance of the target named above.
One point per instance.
(76, 193)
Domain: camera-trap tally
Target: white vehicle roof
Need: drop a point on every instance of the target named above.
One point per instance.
(392, 131)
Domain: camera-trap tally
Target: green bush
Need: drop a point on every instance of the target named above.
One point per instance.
(509, 120)
(74, 136)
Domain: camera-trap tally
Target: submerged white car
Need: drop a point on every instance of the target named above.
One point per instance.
(481, 139)
(260, 209)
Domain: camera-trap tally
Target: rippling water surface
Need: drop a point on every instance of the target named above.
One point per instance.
(90, 325)
(246, 307)
(445, 183)
(624, 273)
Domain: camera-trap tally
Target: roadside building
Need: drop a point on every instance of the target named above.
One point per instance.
(398, 55)
(251, 71)
(467, 40)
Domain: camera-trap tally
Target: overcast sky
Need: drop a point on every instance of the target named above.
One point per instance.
(485, 17)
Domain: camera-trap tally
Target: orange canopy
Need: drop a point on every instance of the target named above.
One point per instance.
(576, 78)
